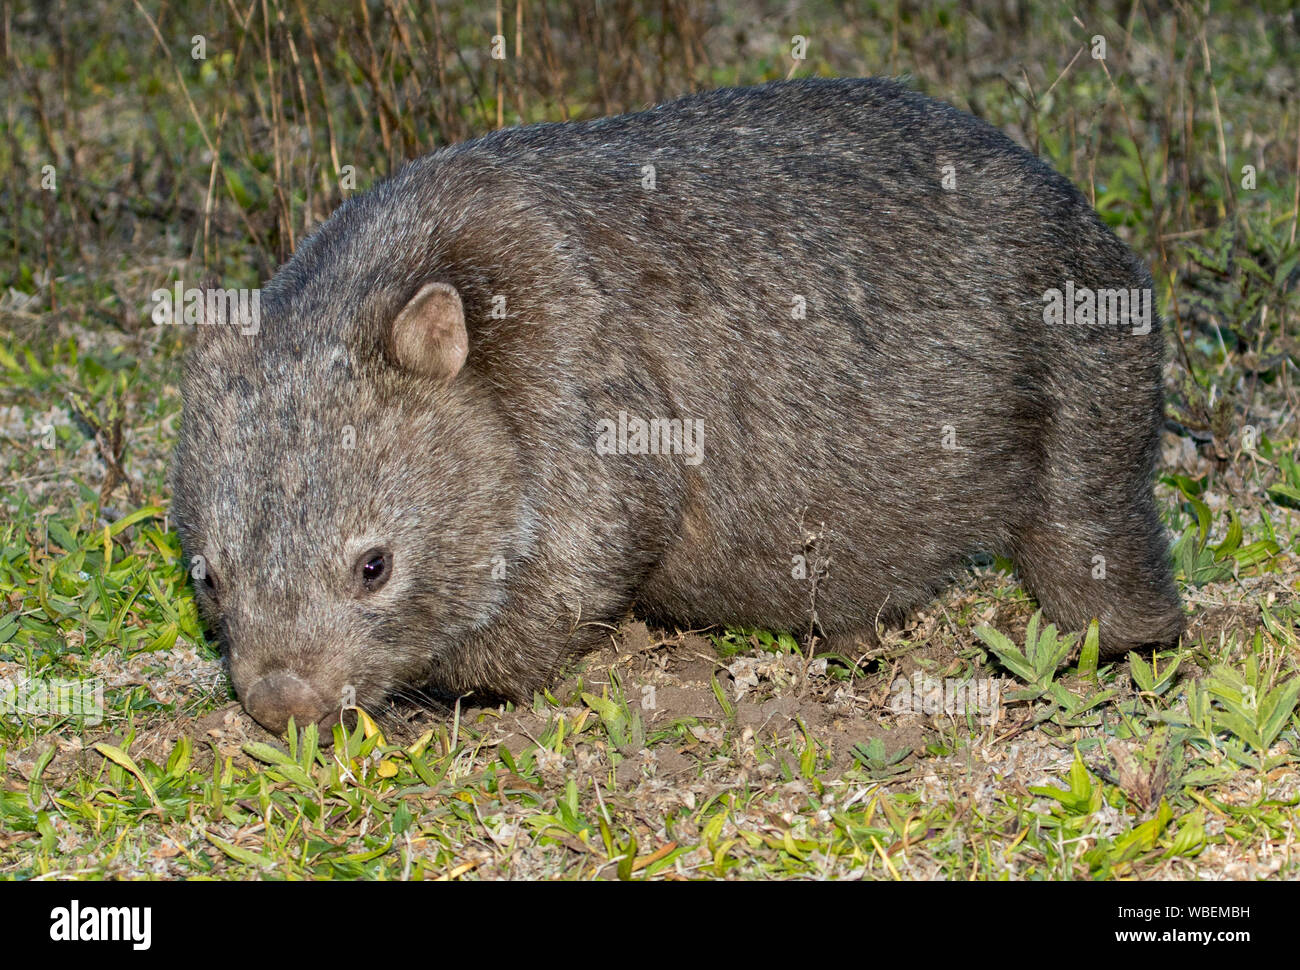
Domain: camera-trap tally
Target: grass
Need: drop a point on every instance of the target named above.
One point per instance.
(668, 755)
(1177, 776)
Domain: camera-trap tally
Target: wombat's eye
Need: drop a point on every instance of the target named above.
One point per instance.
(373, 569)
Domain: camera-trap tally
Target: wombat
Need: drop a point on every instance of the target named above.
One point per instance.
(779, 357)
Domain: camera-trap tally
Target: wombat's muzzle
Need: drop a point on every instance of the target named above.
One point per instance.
(278, 696)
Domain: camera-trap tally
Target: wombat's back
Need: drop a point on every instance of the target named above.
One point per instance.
(845, 282)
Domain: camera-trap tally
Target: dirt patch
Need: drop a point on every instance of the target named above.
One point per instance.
(744, 709)
(1210, 624)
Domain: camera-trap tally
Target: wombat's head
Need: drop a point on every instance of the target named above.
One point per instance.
(344, 487)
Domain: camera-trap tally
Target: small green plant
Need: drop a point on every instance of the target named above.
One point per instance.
(735, 642)
(1082, 797)
(877, 761)
(1037, 664)
(1195, 559)
(1250, 711)
(621, 720)
(1150, 678)
(1045, 651)
(1145, 772)
(1286, 490)
(1237, 714)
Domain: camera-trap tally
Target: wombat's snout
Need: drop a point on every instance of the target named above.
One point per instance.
(278, 696)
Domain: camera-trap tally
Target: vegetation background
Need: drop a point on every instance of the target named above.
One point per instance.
(152, 142)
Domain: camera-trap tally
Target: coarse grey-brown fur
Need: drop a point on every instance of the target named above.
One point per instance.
(866, 349)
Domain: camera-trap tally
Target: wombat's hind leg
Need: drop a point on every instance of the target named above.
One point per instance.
(850, 645)
(1099, 553)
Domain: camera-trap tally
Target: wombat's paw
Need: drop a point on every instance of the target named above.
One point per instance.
(1144, 631)
(848, 644)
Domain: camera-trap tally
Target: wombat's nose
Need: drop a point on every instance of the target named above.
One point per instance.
(282, 695)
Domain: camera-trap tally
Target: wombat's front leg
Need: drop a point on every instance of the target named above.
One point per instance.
(519, 655)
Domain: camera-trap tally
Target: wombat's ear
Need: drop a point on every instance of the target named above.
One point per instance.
(428, 336)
